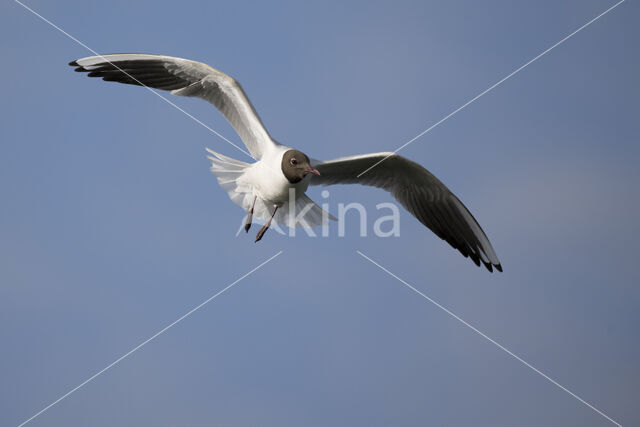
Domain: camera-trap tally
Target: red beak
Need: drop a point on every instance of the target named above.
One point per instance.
(312, 170)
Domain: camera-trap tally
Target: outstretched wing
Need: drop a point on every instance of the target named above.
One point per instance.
(421, 193)
(184, 78)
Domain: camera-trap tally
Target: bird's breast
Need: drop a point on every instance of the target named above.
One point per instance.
(269, 183)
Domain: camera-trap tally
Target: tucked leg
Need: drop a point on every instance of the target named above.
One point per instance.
(247, 225)
(266, 226)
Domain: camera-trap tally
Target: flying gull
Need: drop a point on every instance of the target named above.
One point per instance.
(263, 188)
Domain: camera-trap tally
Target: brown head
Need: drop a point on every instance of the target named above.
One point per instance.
(296, 165)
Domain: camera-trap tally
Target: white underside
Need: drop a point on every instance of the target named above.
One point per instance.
(242, 182)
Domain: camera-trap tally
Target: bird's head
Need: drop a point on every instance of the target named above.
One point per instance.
(295, 166)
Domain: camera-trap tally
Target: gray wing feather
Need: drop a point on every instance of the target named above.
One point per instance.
(184, 77)
(421, 193)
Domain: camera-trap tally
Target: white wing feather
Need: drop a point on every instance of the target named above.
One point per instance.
(184, 77)
(421, 193)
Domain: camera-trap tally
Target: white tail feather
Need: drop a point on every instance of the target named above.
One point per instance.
(312, 217)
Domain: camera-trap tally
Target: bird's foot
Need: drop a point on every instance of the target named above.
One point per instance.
(247, 224)
(261, 233)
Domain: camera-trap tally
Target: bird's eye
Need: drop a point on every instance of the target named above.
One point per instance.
(293, 161)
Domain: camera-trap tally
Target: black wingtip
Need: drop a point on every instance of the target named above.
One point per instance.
(79, 68)
(488, 266)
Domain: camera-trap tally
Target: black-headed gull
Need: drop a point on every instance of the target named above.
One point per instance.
(263, 188)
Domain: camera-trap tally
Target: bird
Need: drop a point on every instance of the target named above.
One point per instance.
(273, 187)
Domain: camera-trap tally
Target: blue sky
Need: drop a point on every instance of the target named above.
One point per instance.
(112, 226)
